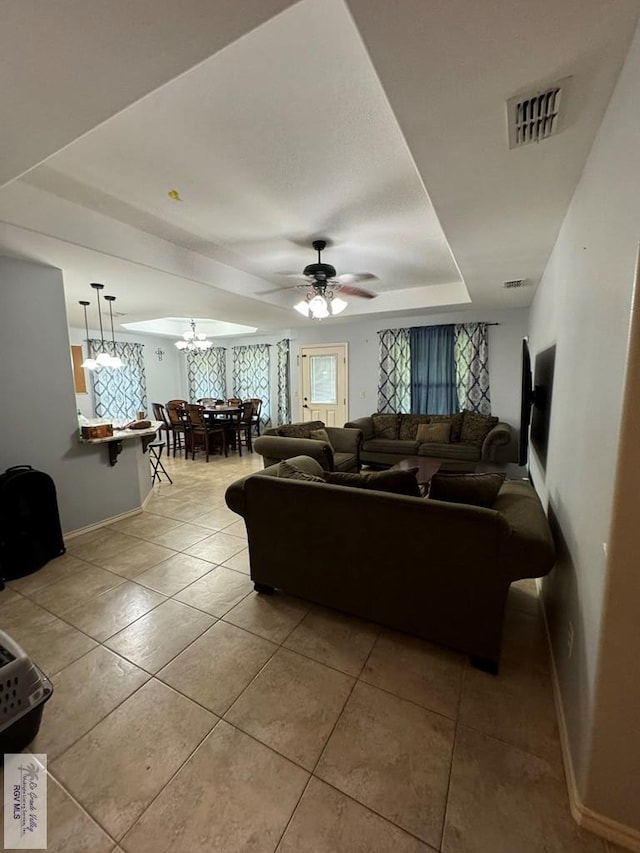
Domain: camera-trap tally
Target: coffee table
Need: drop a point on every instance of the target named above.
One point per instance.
(427, 466)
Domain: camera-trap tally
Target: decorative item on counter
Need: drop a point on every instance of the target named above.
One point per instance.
(97, 431)
(139, 425)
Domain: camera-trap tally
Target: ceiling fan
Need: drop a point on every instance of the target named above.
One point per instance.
(322, 282)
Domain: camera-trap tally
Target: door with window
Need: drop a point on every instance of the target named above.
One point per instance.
(323, 383)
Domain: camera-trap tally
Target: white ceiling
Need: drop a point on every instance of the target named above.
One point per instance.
(379, 126)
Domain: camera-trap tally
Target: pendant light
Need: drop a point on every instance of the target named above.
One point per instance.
(88, 363)
(103, 358)
(116, 361)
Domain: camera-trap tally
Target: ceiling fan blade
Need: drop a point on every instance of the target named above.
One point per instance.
(280, 289)
(353, 277)
(352, 291)
(288, 274)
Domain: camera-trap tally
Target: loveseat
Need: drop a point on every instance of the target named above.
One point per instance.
(438, 570)
(460, 440)
(337, 450)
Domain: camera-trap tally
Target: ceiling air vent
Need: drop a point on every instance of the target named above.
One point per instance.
(516, 282)
(537, 115)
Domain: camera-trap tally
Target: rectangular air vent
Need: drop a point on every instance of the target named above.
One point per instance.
(537, 115)
(516, 282)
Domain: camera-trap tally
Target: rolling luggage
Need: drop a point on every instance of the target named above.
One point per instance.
(30, 532)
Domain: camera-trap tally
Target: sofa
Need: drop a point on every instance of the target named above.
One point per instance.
(460, 440)
(438, 570)
(338, 451)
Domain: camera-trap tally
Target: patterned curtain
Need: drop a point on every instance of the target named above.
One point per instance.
(122, 392)
(472, 367)
(394, 384)
(251, 368)
(433, 372)
(284, 387)
(207, 374)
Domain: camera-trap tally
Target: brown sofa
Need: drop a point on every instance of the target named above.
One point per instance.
(340, 453)
(387, 438)
(438, 570)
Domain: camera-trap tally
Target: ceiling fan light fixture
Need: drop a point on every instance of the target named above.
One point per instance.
(337, 305)
(302, 308)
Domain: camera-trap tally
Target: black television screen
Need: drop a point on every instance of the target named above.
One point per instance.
(526, 400)
(542, 395)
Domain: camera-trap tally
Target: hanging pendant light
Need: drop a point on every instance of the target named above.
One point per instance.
(116, 361)
(103, 358)
(88, 363)
(193, 342)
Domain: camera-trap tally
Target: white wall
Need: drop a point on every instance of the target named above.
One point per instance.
(583, 305)
(39, 420)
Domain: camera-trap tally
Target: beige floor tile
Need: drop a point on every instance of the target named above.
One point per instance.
(68, 593)
(393, 757)
(216, 668)
(292, 706)
(524, 639)
(217, 592)
(232, 795)
(117, 768)
(523, 595)
(174, 574)
(7, 594)
(54, 571)
(146, 526)
(70, 829)
(270, 616)
(140, 557)
(217, 519)
(515, 706)
(182, 536)
(326, 821)
(238, 528)
(110, 612)
(181, 507)
(334, 639)
(84, 693)
(217, 548)
(154, 639)
(107, 544)
(504, 800)
(239, 562)
(416, 670)
(51, 643)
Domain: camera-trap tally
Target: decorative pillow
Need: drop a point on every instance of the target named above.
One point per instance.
(320, 435)
(290, 472)
(476, 427)
(299, 430)
(385, 426)
(438, 432)
(456, 426)
(397, 482)
(409, 426)
(474, 489)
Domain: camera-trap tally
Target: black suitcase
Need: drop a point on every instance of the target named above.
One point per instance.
(30, 532)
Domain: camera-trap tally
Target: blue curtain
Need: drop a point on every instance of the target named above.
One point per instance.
(433, 371)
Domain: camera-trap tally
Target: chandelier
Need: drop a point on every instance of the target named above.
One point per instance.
(320, 302)
(103, 358)
(193, 342)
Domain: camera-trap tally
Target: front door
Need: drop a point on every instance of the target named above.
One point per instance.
(323, 382)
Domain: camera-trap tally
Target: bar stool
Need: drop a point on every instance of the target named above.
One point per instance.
(155, 452)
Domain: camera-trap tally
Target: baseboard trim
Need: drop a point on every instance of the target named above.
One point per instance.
(72, 534)
(586, 818)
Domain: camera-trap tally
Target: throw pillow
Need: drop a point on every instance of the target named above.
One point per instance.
(299, 430)
(290, 472)
(320, 435)
(476, 427)
(397, 482)
(456, 426)
(385, 426)
(409, 426)
(438, 432)
(474, 489)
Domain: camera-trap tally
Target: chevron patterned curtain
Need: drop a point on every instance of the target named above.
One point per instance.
(207, 374)
(394, 384)
(284, 387)
(471, 354)
(119, 394)
(251, 369)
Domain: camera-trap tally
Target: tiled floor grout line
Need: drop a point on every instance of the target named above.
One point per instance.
(463, 676)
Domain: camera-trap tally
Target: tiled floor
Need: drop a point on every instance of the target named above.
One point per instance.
(191, 714)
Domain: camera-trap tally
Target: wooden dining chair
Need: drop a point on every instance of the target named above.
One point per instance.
(160, 414)
(239, 426)
(255, 415)
(176, 413)
(204, 432)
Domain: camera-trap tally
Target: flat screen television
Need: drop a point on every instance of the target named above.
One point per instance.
(535, 403)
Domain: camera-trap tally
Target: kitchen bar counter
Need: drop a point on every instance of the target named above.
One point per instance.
(114, 442)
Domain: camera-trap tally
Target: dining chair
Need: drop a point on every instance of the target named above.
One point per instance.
(179, 427)
(203, 431)
(239, 425)
(160, 414)
(255, 415)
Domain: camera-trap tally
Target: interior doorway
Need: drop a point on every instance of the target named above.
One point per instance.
(323, 383)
